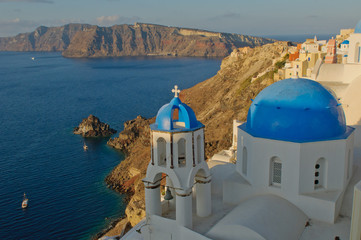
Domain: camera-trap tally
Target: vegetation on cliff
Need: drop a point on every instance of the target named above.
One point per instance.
(82, 40)
(216, 102)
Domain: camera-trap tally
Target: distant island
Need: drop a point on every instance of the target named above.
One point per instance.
(140, 39)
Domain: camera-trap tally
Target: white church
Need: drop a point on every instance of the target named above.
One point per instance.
(297, 173)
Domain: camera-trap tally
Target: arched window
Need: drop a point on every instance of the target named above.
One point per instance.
(244, 161)
(199, 149)
(320, 174)
(175, 114)
(161, 152)
(182, 152)
(276, 172)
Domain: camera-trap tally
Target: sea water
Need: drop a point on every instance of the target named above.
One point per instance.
(41, 101)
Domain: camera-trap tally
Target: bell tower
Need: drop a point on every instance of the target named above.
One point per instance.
(178, 159)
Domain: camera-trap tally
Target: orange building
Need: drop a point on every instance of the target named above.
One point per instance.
(331, 56)
(293, 56)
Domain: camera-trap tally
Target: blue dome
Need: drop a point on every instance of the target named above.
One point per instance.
(358, 27)
(346, 42)
(166, 120)
(297, 110)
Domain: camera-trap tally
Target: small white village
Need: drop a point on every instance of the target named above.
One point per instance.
(294, 168)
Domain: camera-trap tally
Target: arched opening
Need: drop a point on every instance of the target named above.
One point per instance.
(161, 196)
(168, 197)
(176, 119)
(275, 172)
(199, 149)
(182, 152)
(175, 116)
(244, 161)
(161, 152)
(320, 174)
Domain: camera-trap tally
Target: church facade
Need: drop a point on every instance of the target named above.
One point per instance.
(295, 144)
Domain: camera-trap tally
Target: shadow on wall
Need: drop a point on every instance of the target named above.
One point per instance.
(357, 142)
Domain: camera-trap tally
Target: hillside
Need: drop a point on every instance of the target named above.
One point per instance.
(140, 39)
(216, 102)
(47, 39)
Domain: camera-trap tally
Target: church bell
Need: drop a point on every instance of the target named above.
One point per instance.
(168, 195)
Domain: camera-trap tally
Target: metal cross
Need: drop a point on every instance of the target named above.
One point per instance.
(176, 91)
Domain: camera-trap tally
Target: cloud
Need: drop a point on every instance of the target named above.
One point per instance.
(115, 19)
(107, 19)
(16, 20)
(29, 1)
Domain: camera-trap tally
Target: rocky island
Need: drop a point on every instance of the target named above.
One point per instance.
(140, 39)
(93, 127)
(216, 102)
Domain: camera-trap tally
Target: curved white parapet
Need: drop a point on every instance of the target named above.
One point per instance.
(263, 217)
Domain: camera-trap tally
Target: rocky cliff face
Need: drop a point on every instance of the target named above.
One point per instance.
(149, 39)
(81, 40)
(216, 102)
(93, 127)
(43, 38)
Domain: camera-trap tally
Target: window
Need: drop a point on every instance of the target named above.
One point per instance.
(320, 174)
(182, 152)
(276, 171)
(199, 149)
(161, 152)
(244, 161)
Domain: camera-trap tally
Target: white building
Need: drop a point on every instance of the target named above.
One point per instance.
(344, 47)
(354, 54)
(345, 79)
(295, 144)
(178, 155)
(294, 163)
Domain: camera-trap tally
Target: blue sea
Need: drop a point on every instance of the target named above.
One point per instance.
(40, 103)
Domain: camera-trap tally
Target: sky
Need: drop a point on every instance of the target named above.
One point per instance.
(252, 17)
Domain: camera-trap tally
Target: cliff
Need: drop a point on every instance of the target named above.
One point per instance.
(93, 127)
(216, 102)
(140, 39)
(45, 39)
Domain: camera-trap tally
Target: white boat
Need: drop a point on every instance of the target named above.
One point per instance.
(85, 147)
(24, 204)
(33, 58)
